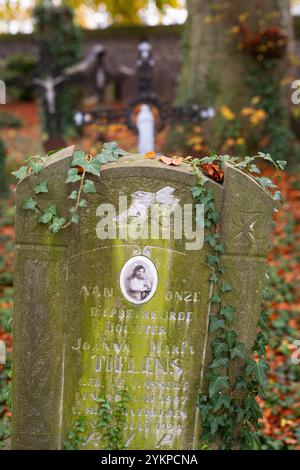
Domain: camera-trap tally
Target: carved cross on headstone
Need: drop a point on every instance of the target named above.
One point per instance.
(142, 201)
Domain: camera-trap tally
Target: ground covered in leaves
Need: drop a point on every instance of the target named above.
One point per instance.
(280, 427)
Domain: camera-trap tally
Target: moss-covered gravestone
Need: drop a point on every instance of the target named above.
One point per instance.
(121, 323)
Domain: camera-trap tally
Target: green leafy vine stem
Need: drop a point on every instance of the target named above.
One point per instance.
(229, 410)
(81, 165)
(111, 421)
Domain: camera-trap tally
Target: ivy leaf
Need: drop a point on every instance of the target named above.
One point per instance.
(73, 195)
(254, 169)
(75, 219)
(73, 176)
(245, 162)
(90, 166)
(250, 439)
(240, 415)
(216, 324)
(227, 312)
(265, 182)
(252, 409)
(221, 270)
(225, 287)
(48, 214)
(218, 363)
(263, 321)
(282, 164)
(230, 337)
(278, 196)
(204, 407)
(238, 351)
(56, 224)
(219, 347)
(220, 248)
(212, 259)
(110, 153)
(241, 384)
(215, 422)
(197, 191)
(222, 401)
(258, 370)
(260, 344)
(214, 216)
(20, 173)
(29, 203)
(41, 187)
(102, 159)
(83, 203)
(209, 159)
(93, 167)
(89, 186)
(36, 166)
(212, 240)
(216, 299)
(217, 383)
(266, 156)
(77, 158)
(68, 445)
(213, 278)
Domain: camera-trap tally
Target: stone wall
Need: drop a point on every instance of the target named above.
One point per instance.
(121, 45)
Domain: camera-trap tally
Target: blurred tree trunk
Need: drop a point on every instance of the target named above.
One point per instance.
(235, 54)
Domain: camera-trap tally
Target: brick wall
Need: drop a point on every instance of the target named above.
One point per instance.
(121, 46)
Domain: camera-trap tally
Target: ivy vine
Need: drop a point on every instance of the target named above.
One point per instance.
(81, 166)
(261, 82)
(111, 421)
(229, 410)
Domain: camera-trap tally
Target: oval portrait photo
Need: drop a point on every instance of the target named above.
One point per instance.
(138, 280)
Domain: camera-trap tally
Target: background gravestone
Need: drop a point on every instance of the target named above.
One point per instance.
(78, 335)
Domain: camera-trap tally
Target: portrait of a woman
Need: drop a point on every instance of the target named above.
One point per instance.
(138, 285)
(138, 279)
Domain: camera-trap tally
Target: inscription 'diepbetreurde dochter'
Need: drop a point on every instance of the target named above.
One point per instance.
(159, 386)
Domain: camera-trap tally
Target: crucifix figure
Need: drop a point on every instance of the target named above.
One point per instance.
(48, 85)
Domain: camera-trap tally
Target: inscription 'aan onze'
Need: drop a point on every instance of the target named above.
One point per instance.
(105, 292)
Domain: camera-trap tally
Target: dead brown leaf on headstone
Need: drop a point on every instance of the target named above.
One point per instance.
(176, 160)
(166, 160)
(213, 171)
(170, 160)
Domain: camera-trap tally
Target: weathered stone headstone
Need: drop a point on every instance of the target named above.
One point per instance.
(96, 316)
